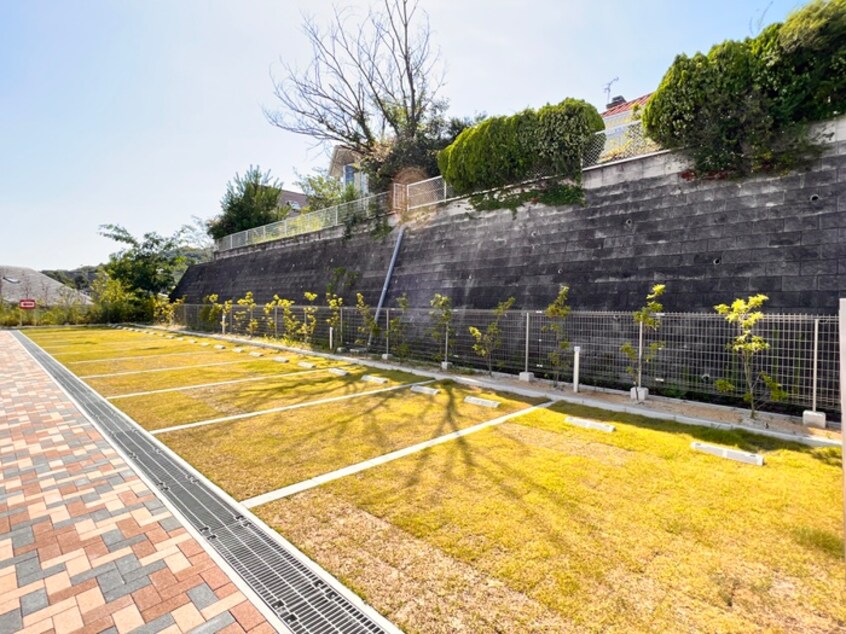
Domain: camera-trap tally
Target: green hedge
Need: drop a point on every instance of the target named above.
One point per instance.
(742, 107)
(534, 143)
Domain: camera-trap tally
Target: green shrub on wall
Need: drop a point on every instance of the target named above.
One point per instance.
(742, 107)
(530, 144)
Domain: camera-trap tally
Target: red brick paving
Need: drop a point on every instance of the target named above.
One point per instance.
(85, 545)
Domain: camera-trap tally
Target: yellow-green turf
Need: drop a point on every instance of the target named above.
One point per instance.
(157, 411)
(131, 383)
(630, 531)
(267, 452)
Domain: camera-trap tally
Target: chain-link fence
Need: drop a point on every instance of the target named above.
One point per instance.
(72, 315)
(621, 142)
(803, 355)
(351, 212)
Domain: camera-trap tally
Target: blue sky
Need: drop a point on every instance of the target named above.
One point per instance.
(138, 112)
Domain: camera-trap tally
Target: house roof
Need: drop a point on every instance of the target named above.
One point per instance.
(24, 283)
(295, 199)
(623, 107)
(342, 156)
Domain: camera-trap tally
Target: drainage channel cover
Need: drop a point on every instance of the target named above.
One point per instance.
(301, 599)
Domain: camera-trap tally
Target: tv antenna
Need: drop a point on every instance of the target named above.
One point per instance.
(607, 89)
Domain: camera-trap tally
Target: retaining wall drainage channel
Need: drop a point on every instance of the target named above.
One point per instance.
(304, 601)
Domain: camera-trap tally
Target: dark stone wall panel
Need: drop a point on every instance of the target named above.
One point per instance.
(708, 241)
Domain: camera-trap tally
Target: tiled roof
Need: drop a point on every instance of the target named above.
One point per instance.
(623, 107)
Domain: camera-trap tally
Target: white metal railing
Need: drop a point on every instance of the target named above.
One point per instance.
(338, 215)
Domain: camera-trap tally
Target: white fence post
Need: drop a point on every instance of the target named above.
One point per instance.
(813, 417)
(577, 351)
(526, 375)
(842, 337)
(387, 333)
(640, 355)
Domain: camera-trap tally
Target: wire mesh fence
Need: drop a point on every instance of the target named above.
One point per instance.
(803, 354)
(621, 142)
(357, 210)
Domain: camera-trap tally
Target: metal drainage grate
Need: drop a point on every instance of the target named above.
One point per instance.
(301, 599)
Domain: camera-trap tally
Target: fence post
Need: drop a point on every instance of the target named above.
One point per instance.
(526, 375)
(842, 337)
(445, 194)
(331, 338)
(445, 364)
(387, 333)
(813, 417)
(342, 327)
(640, 354)
(276, 322)
(577, 351)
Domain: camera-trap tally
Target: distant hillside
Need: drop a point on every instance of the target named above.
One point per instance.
(80, 278)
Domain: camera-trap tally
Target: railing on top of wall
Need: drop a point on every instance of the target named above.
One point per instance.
(803, 355)
(614, 144)
(360, 209)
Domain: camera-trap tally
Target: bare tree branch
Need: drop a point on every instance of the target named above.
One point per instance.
(368, 84)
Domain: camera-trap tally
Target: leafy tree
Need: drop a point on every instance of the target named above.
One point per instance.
(440, 320)
(742, 108)
(489, 341)
(309, 317)
(368, 328)
(396, 329)
(251, 200)
(246, 315)
(146, 266)
(325, 191)
(335, 319)
(114, 301)
(746, 345)
(649, 318)
(557, 312)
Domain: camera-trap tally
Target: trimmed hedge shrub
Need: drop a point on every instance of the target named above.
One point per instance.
(533, 143)
(741, 108)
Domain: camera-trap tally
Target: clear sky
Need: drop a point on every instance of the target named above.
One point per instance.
(137, 112)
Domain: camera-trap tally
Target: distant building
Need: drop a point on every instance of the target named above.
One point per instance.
(17, 283)
(620, 112)
(295, 201)
(345, 165)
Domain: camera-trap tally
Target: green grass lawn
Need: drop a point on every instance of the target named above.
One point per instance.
(196, 375)
(267, 452)
(157, 411)
(570, 529)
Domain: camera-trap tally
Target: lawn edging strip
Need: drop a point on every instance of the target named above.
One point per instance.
(299, 487)
(283, 408)
(494, 385)
(302, 561)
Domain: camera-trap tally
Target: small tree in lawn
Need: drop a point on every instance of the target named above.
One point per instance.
(648, 319)
(289, 320)
(440, 318)
(336, 305)
(211, 310)
(309, 318)
(487, 342)
(246, 315)
(368, 328)
(396, 329)
(746, 345)
(557, 312)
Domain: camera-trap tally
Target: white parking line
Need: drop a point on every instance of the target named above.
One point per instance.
(284, 408)
(133, 358)
(266, 377)
(176, 367)
(299, 487)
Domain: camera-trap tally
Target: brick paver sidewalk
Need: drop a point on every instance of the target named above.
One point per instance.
(85, 545)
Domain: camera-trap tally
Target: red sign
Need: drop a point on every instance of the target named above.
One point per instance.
(27, 304)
